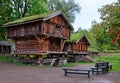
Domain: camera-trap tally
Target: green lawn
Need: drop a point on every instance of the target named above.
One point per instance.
(113, 59)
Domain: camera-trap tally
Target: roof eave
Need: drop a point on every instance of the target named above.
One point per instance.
(21, 23)
(38, 19)
(81, 38)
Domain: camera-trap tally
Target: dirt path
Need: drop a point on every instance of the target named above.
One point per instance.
(10, 73)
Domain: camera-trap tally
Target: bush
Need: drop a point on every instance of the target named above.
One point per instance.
(7, 58)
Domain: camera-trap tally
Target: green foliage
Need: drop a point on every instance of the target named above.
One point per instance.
(89, 35)
(15, 9)
(38, 7)
(113, 59)
(2, 33)
(69, 7)
(110, 15)
(44, 56)
(106, 33)
(7, 58)
(93, 49)
(103, 39)
(4, 16)
(75, 36)
(27, 7)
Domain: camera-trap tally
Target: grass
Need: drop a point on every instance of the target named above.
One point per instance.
(29, 18)
(75, 37)
(112, 59)
(9, 59)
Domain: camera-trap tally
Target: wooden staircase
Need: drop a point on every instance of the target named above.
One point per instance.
(55, 62)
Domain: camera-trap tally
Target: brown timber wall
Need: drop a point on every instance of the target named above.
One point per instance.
(31, 46)
(23, 30)
(80, 47)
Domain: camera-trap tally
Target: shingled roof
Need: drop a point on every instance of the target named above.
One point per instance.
(34, 18)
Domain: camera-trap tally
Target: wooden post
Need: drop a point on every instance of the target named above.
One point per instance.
(1, 49)
(16, 58)
(40, 60)
(62, 44)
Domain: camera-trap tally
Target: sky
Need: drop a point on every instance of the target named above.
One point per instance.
(89, 12)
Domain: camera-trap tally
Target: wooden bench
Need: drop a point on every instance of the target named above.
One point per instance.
(77, 71)
(101, 67)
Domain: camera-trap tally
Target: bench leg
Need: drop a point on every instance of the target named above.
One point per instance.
(88, 74)
(97, 71)
(110, 67)
(92, 71)
(65, 72)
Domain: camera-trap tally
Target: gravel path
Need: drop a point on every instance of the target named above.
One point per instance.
(10, 73)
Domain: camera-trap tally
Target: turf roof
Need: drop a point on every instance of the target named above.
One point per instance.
(75, 36)
(29, 18)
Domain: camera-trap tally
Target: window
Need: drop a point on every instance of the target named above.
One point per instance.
(57, 26)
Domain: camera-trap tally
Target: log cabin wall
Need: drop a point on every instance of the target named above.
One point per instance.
(57, 27)
(77, 46)
(54, 44)
(23, 30)
(40, 36)
(80, 47)
(37, 28)
(31, 45)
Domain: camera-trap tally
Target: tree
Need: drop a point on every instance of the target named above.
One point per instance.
(69, 8)
(5, 12)
(16, 9)
(110, 15)
(102, 39)
(38, 7)
(22, 8)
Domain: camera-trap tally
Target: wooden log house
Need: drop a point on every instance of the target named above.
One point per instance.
(40, 34)
(77, 45)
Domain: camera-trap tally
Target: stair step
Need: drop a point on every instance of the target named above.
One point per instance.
(55, 62)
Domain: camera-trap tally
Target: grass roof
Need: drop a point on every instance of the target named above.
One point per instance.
(75, 36)
(29, 18)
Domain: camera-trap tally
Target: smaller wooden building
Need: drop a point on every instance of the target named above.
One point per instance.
(5, 47)
(77, 45)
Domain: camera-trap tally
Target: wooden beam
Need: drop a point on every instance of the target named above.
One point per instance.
(62, 44)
